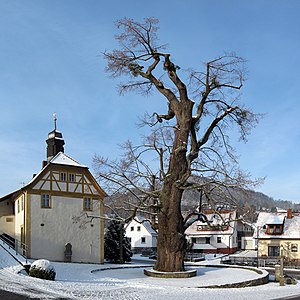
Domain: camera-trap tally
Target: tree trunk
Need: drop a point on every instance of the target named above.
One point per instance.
(171, 242)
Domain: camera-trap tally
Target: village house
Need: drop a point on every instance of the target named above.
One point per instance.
(278, 234)
(224, 233)
(142, 236)
(218, 235)
(39, 217)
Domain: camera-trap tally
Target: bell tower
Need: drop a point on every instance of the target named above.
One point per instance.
(55, 141)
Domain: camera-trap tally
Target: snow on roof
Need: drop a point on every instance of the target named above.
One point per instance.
(291, 227)
(265, 218)
(214, 220)
(275, 220)
(149, 228)
(63, 159)
(60, 159)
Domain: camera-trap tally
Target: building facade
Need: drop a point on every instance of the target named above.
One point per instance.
(218, 235)
(49, 212)
(143, 238)
(278, 234)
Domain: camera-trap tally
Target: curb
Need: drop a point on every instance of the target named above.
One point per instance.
(253, 282)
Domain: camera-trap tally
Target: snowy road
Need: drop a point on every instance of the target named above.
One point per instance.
(76, 281)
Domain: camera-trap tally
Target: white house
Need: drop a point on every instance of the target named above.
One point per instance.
(219, 235)
(40, 215)
(142, 236)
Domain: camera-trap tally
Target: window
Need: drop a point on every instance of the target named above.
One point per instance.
(207, 240)
(87, 203)
(274, 229)
(139, 228)
(219, 240)
(18, 204)
(294, 247)
(273, 250)
(131, 228)
(71, 177)
(194, 240)
(46, 201)
(143, 240)
(22, 204)
(63, 176)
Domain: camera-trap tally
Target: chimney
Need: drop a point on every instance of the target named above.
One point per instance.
(44, 163)
(289, 214)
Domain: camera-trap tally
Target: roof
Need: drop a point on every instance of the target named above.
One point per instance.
(291, 229)
(214, 219)
(276, 220)
(266, 218)
(59, 159)
(11, 195)
(63, 159)
(149, 228)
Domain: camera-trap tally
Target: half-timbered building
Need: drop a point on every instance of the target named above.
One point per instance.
(41, 216)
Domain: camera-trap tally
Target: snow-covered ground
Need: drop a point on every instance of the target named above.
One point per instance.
(81, 281)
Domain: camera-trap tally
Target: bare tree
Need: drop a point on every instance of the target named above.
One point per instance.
(192, 137)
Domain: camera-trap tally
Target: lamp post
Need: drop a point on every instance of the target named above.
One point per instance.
(257, 238)
(281, 276)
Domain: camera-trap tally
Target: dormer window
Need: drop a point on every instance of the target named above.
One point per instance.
(274, 229)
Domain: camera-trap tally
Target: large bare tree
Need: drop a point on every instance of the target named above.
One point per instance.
(192, 137)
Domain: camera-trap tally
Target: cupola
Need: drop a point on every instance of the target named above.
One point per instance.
(55, 141)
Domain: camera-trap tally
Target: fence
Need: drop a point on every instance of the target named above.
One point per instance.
(15, 244)
(261, 261)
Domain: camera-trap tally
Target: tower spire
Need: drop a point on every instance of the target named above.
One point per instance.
(55, 141)
(54, 119)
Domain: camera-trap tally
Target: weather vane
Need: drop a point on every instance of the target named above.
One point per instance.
(54, 119)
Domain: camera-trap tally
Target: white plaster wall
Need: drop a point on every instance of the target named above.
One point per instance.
(248, 243)
(136, 235)
(49, 241)
(224, 241)
(19, 216)
(7, 227)
(6, 208)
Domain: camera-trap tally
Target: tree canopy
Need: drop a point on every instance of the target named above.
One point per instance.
(190, 140)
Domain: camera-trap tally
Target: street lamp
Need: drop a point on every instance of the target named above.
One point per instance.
(281, 276)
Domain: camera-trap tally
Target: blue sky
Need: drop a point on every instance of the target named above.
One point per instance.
(51, 62)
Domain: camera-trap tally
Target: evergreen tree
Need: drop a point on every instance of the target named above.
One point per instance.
(114, 241)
